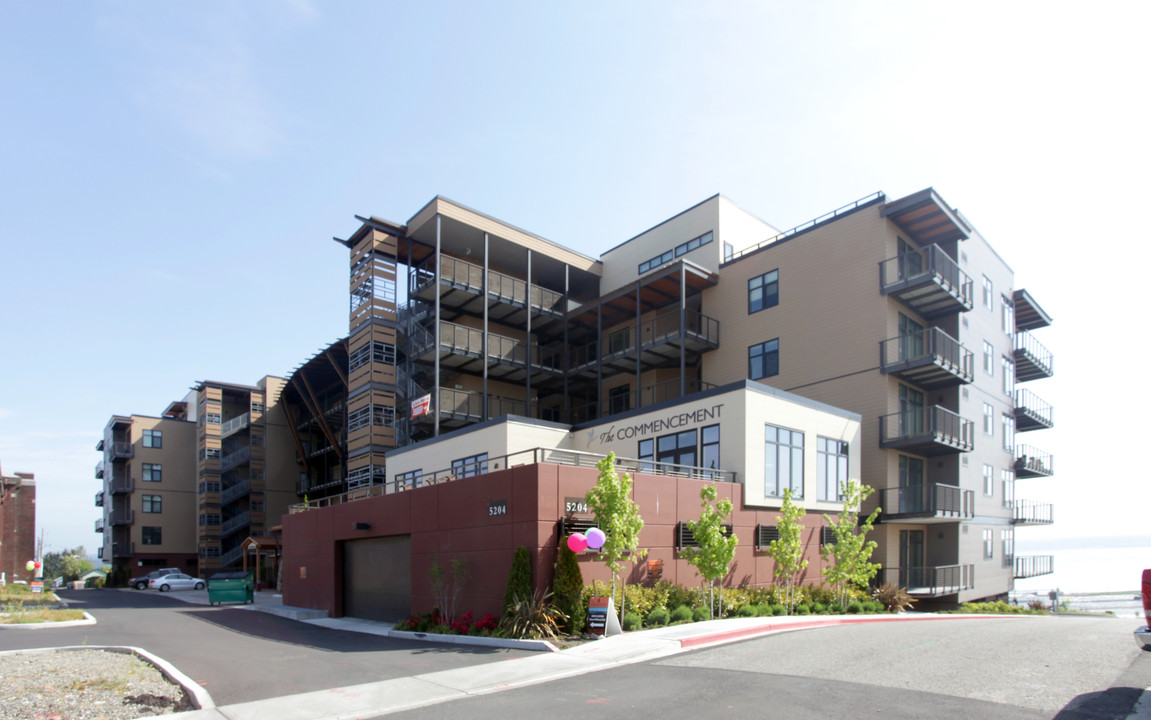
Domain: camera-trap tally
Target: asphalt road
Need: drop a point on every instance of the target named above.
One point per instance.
(239, 655)
(1070, 668)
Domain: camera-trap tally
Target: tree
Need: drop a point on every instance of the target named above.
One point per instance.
(850, 554)
(618, 516)
(788, 548)
(713, 557)
(446, 589)
(519, 579)
(69, 564)
(567, 589)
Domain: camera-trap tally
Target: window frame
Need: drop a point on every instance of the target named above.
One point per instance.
(988, 420)
(825, 454)
(988, 293)
(762, 284)
(988, 480)
(470, 466)
(772, 466)
(153, 439)
(152, 504)
(988, 358)
(765, 354)
(152, 472)
(151, 535)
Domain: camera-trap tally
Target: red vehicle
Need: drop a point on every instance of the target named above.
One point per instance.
(1143, 634)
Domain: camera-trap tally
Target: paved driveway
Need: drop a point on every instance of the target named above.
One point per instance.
(239, 655)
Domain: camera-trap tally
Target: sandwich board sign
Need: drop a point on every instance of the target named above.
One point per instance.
(601, 617)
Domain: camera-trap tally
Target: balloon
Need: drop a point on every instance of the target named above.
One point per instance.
(37, 564)
(30, 565)
(595, 538)
(577, 542)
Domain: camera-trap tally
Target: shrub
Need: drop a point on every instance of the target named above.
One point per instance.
(631, 621)
(778, 610)
(747, 611)
(678, 595)
(763, 610)
(1037, 605)
(681, 614)
(854, 607)
(699, 614)
(892, 597)
(1002, 608)
(567, 588)
(803, 609)
(534, 617)
(658, 617)
(818, 608)
(519, 579)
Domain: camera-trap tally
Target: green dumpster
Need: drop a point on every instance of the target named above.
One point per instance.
(230, 587)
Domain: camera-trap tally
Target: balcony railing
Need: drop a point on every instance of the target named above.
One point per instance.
(233, 524)
(123, 549)
(648, 395)
(463, 275)
(461, 342)
(1032, 360)
(238, 490)
(1033, 513)
(931, 581)
(121, 451)
(235, 459)
(231, 557)
(235, 425)
(534, 456)
(930, 358)
(1027, 566)
(932, 430)
(100, 470)
(100, 525)
(698, 333)
(928, 281)
(927, 503)
(100, 499)
(121, 485)
(1031, 412)
(122, 517)
(1031, 462)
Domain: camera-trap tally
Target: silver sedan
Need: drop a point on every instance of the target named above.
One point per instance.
(176, 581)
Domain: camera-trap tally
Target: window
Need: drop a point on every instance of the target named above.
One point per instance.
(209, 519)
(912, 497)
(619, 399)
(153, 439)
(988, 544)
(1008, 539)
(911, 416)
(681, 249)
(212, 453)
(257, 440)
(471, 465)
(783, 462)
(910, 339)
(257, 406)
(256, 505)
(763, 292)
(988, 480)
(1008, 377)
(646, 452)
(988, 293)
(1007, 313)
(1008, 478)
(728, 251)
(410, 479)
(763, 359)
(151, 472)
(150, 503)
(212, 418)
(374, 351)
(910, 260)
(382, 415)
(678, 448)
(151, 535)
(831, 468)
(709, 447)
(988, 419)
(1008, 433)
(988, 358)
(618, 341)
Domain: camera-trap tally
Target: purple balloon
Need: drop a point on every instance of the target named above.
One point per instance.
(577, 542)
(595, 538)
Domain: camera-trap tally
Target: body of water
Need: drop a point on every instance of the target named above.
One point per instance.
(1092, 575)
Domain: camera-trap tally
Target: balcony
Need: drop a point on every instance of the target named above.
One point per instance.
(100, 499)
(1033, 513)
(1032, 360)
(648, 395)
(120, 451)
(234, 425)
(100, 525)
(231, 557)
(462, 288)
(928, 281)
(462, 349)
(661, 338)
(100, 470)
(1031, 462)
(1031, 412)
(927, 504)
(930, 358)
(931, 581)
(236, 491)
(235, 459)
(121, 517)
(123, 549)
(100, 553)
(926, 431)
(119, 485)
(233, 524)
(1028, 566)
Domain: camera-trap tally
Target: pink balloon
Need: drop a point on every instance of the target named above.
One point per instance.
(577, 542)
(37, 563)
(595, 538)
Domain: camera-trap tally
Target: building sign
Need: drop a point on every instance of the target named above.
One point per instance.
(597, 615)
(658, 425)
(497, 508)
(421, 405)
(37, 586)
(576, 506)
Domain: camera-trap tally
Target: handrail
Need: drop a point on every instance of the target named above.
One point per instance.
(933, 420)
(927, 263)
(826, 217)
(937, 499)
(1034, 460)
(1026, 343)
(234, 425)
(506, 288)
(1031, 512)
(1035, 406)
(928, 343)
(1027, 566)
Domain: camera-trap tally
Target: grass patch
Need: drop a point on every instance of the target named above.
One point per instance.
(996, 608)
(40, 616)
(10, 594)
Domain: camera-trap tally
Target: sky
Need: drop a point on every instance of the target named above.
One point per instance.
(171, 176)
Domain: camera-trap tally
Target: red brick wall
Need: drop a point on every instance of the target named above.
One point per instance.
(17, 528)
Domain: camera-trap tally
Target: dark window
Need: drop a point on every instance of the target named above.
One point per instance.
(153, 439)
(763, 291)
(151, 503)
(763, 359)
(646, 452)
(618, 341)
(678, 448)
(709, 447)
(151, 535)
(619, 399)
(151, 472)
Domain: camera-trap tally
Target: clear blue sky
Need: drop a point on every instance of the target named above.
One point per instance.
(171, 175)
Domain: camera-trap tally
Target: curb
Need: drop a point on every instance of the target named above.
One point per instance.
(88, 620)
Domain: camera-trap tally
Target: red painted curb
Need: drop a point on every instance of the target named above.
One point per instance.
(745, 633)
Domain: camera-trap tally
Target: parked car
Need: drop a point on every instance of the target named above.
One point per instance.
(142, 582)
(1143, 634)
(176, 581)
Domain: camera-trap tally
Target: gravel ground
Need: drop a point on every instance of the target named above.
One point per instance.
(84, 685)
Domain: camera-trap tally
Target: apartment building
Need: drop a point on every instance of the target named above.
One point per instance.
(17, 525)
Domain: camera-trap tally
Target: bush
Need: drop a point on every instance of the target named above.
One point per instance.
(658, 617)
(567, 588)
(631, 621)
(519, 579)
(699, 614)
(678, 595)
(681, 614)
(778, 610)
(1002, 608)
(534, 618)
(747, 611)
(803, 609)
(873, 606)
(892, 597)
(819, 608)
(854, 607)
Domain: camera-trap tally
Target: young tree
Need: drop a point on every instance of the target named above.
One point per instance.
(519, 579)
(567, 589)
(787, 550)
(850, 554)
(446, 589)
(69, 564)
(618, 516)
(713, 557)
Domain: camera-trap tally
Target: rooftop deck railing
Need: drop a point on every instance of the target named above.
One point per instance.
(827, 217)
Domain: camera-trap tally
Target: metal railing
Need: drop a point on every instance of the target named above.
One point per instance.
(1034, 350)
(121, 516)
(233, 524)
(123, 549)
(100, 499)
(100, 525)
(923, 265)
(235, 425)
(646, 396)
(936, 422)
(100, 470)
(533, 456)
(929, 344)
(231, 557)
(505, 288)
(1027, 566)
(121, 451)
(827, 217)
(1034, 406)
(235, 458)
(1028, 512)
(1033, 461)
(121, 485)
(238, 490)
(938, 500)
(931, 581)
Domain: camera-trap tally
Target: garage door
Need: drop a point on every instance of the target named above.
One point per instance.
(378, 578)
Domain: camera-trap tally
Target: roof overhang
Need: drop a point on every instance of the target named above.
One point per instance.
(1028, 314)
(926, 218)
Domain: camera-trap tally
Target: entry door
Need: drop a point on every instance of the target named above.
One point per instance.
(910, 260)
(912, 573)
(378, 578)
(912, 498)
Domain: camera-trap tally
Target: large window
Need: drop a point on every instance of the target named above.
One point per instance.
(988, 544)
(681, 249)
(763, 291)
(151, 472)
(471, 465)
(150, 503)
(1008, 377)
(151, 535)
(709, 447)
(783, 462)
(988, 293)
(678, 448)
(1008, 433)
(988, 358)
(1008, 315)
(763, 360)
(832, 468)
(988, 480)
(988, 419)
(153, 439)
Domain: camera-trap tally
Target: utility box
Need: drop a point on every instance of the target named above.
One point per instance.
(231, 587)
